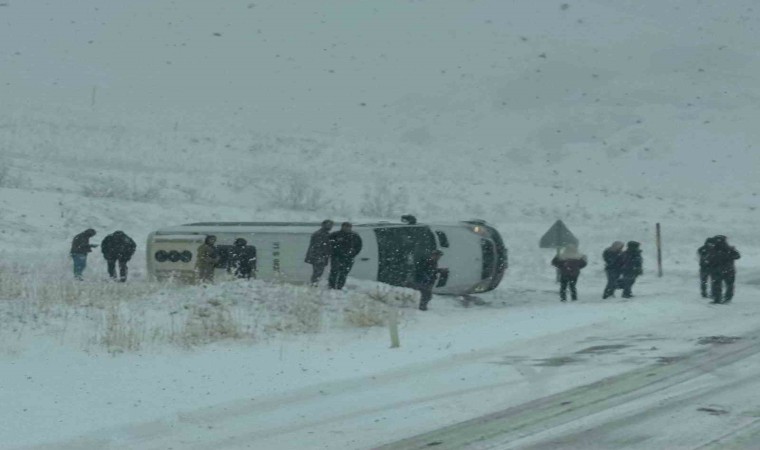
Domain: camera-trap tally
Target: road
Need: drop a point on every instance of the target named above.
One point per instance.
(708, 399)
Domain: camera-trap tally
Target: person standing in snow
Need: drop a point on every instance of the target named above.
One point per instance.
(704, 265)
(569, 263)
(344, 246)
(612, 265)
(118, 247)
(318, 254)
(425, 275)
(242, 259)
(207, 258)
(631, 267)
(722, 268)
(80, 247)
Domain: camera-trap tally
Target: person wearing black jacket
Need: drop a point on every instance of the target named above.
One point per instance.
(318, 254)
(118, 247)
(242, 259)
(344, 246)
(569, 263)
(722, 269)
(704, 265)
(80, 247)
(631, 266)
(612, 266)
(425, 275)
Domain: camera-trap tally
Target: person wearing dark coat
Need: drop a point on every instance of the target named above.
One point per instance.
(344, 246)
(704, 265)
(242, 259)
(118, 247)
(569, 263)
(631, 266)
(318, 254)
(206, 260)
(425, 275)
(722, 268)
(80, 247)
(612, 263)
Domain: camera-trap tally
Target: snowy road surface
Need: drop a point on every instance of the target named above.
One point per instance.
(708, 399)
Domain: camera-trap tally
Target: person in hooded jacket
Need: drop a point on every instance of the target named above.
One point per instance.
(242, 259)
(344, 245)
(703, 253)
(206, 260)
(318, 253)
(569, 263)
(612, 265)
(722, 268)
(80, 247)
(425, 275)
(118, 247)
(631, 266)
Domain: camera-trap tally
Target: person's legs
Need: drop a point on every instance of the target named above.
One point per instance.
(123, 271)
(730, 279)
(426, 293)
(717, 288)
(345, 269)
(704, 277)
(612, 281)
(318, 269)
(332, 279)
(111, 264)
(572, 282)
(563, 288)
(628, 285)
(80, 263)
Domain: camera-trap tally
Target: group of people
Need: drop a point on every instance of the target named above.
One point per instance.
(623, 264)
(117, 248)
(240, 260)
(339, 249)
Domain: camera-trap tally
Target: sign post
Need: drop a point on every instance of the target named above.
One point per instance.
(393, 327)
(658, 238)
(557, 237)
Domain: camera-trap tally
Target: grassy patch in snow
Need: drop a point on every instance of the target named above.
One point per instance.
(138, 315)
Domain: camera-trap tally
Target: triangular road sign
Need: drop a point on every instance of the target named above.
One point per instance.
(558, 236)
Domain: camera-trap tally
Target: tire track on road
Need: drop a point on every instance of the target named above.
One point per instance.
(536, 416)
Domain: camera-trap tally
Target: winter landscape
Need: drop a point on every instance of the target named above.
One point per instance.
(611, 116)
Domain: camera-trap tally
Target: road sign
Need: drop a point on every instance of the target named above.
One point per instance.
(558, 236)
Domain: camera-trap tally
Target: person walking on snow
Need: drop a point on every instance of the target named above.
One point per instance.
(80, 247)
(612, 265)
(206, 261)
(242, 259)
(344, 246)
(118, 247)
(722, 268)
(569, 263)
(425, 276)
(318, 254)
(631, 267)
(703, 253)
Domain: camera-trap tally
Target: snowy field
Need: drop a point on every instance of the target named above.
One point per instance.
(140, 115)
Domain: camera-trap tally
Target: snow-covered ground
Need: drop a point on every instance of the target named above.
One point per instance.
(139, 115)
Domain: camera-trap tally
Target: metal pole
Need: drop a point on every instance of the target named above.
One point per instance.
(659, 250)
(393, 327)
